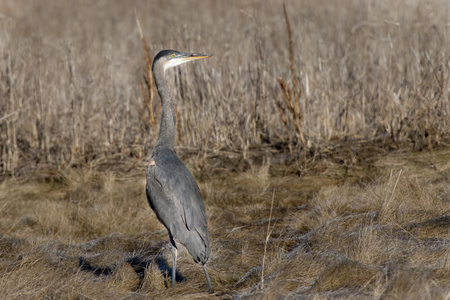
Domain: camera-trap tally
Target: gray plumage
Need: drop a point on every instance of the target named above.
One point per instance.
(172, 191)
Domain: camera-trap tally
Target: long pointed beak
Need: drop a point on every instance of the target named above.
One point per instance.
(182, 58)
(193, 56)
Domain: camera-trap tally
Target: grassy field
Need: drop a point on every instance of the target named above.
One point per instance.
(319, 137)
(378, 229)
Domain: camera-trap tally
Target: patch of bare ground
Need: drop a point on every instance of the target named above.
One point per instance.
(90, 234)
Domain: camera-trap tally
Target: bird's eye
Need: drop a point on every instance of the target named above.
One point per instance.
(172, 55)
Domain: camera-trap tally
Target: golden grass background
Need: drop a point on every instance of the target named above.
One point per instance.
(360, 203)
(72, 73)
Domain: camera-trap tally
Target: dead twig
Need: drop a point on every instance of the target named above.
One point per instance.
(269, 232)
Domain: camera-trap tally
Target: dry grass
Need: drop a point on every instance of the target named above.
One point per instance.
(73, 90)
(339, 84)
(91, 234)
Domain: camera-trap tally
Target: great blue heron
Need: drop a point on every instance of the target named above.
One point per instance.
(172, 191)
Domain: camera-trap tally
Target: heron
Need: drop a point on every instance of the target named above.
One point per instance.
(172, 192)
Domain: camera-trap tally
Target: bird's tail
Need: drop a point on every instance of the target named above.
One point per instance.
(197, 247)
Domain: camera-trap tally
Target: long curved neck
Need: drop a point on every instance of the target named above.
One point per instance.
(168, 120)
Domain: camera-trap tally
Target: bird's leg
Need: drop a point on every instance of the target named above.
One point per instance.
(210, 289)
(174, 263)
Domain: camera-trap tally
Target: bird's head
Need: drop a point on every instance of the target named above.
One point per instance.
(171, 58)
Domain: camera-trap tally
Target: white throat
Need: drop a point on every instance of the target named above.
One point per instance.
(174, 62)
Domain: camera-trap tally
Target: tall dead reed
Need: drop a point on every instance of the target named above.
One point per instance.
(148, 88)
(291, 97)
(75, 94)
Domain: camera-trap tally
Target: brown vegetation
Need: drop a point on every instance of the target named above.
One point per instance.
(90, 234)
(72, 77)
(302, 131)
